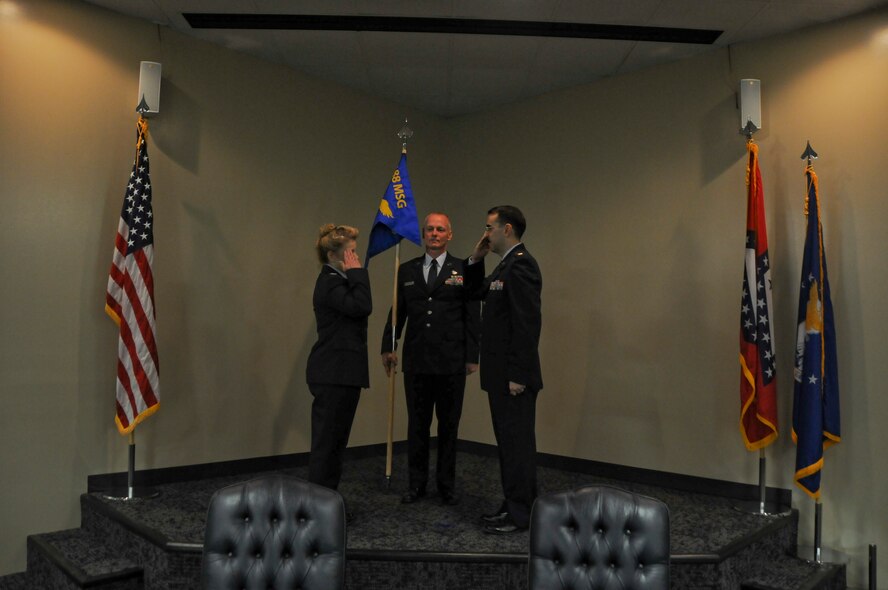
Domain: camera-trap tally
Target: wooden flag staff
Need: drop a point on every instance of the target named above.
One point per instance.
(392, 372)
(405, 133)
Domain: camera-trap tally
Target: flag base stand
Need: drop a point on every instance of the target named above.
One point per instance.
(762, 508)
(820, 555)
(131, 492)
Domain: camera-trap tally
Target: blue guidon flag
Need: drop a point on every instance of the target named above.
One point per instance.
(396, 217)
(815, 407)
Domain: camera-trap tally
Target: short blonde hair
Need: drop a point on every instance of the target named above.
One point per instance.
(332, 238)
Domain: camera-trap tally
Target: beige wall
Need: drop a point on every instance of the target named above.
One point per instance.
(633, 188)
(634, 191)
(248, 160)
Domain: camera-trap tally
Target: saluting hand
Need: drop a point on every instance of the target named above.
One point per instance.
(350, 260)
(481, 248)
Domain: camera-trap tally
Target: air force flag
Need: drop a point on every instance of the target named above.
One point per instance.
(815, 407)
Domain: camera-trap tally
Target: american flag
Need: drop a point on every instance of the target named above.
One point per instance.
(758, 374)
(130, 297)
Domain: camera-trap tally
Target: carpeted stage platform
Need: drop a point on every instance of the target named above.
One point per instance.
(430, 546)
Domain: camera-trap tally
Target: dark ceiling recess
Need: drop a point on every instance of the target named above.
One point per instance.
(463, 26)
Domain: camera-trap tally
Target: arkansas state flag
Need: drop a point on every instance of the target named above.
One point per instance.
(758, 375)
(815, 404)
(396, 216)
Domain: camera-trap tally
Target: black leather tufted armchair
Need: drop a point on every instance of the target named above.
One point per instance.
(274, 532)
(599, 538)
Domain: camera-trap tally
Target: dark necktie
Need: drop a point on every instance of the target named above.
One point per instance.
(433, 273)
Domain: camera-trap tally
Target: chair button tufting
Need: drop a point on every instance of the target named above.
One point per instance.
(600, 531)
(230, 554)
(315, 554)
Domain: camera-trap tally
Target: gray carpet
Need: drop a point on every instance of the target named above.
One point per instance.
(700, 523)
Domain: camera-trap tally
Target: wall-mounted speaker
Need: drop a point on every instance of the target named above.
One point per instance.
(750, 103)
(149, 88)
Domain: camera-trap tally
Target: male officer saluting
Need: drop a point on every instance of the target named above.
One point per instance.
(510, 361)
(440, 349)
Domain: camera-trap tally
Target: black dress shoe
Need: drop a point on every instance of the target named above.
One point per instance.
(507, 528)
(449, 499)
(412, 495)
(496, 518)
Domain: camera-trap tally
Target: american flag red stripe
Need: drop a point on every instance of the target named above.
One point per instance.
(130, 298)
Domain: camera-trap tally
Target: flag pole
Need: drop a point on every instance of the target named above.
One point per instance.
(131, 468)
(131, 492)
(404, 133)
(818, 532)
(761, 507)
(392, 372)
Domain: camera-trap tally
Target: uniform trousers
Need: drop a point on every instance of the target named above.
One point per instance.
(514, 420)
(332, 414)
(426, 395)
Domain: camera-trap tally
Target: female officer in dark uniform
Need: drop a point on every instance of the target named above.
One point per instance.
(337, 365)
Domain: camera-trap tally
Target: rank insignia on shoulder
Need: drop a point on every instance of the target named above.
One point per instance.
(519, 253)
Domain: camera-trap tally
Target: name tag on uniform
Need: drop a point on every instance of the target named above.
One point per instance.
(496, 285)
(408, 284)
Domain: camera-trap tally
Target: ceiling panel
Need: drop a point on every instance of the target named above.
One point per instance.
(504, 9)
(451, 74)
(404, 49)
(490, 51)
(645, 55)
(408, 85)
(631, 12)
(333, 55)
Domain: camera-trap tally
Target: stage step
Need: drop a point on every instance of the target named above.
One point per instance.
(78, 558)
(19, 581)
(787, 572)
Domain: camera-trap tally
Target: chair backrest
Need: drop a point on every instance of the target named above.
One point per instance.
(599, 538)
(274, 532)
